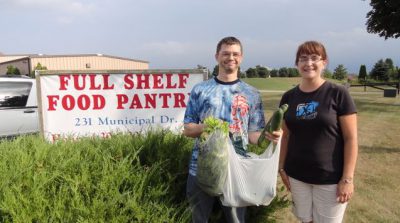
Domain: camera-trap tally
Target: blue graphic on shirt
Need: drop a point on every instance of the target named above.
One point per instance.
(307, 110)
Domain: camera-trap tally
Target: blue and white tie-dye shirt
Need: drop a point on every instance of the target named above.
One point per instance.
(235, 102)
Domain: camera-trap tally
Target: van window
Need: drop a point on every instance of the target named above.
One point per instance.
(14, 94)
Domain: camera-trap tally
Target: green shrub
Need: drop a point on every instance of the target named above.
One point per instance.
(127, 178)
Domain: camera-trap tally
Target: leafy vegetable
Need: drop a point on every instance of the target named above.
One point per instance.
(212, 124)
(212, 162)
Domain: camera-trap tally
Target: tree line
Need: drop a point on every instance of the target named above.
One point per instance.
(383, 70)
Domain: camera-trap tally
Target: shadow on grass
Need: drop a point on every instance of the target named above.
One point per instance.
(378, 150)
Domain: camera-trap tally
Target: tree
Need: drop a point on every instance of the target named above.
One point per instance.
(397, 76)
(13, 70)
(362, 74)
(392, 69)
(38, 67)
(389, 62)
(327, 73)
(240, 73)
(380, 71)
(340, 72)
(251, 72)
(215, 71)
(262, 72)
(384, 18)
(283, 72)
(274, 73)
(293, 72)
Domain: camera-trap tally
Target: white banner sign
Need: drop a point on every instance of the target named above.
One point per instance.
(75, 104)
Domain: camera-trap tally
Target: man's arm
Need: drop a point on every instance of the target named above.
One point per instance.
(193, 130)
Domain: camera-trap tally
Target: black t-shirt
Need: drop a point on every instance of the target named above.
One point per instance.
(315, 146)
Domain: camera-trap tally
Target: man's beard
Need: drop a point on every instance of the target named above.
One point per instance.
(228, 69)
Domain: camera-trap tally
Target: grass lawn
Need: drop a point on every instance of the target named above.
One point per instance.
(272, 83)
(377, 182)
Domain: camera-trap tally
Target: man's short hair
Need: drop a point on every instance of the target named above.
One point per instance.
(230, 40)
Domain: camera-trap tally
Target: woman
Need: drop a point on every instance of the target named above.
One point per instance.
(319, 142)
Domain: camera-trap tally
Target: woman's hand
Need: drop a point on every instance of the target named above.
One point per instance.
(345, 191)
(285, 178)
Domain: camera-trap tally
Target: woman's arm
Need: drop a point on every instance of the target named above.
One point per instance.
(348, 125)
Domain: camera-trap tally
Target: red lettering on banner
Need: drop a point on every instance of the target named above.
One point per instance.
(82, 102)
(129, 84)
(76, 81)
(121, 100)
(179, 100)
(81, 81)
(93, 86)
(68, 102)
(52, 100)
(99, 102)
(169, 81)
(106, 81)
(142, 79)
(183, 80)
(55, 137)
(164, 97)
(157, 81)
(135, 102)
(166, 100)
(64, 81)
(150, 99)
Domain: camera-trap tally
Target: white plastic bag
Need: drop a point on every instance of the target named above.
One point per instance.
(251, 181)
(212, 163)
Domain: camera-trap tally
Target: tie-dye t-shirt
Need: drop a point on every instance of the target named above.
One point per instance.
(235, 102)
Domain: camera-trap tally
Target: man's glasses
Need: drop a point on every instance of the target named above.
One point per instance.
(312, 58)
(233, 54)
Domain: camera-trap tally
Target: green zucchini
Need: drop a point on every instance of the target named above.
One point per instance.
(273, 124)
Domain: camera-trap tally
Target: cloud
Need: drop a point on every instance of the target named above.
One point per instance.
(176, 54)
(64, 6)
(347, 38)
(64, 12)
(65, 20)
(172, 48)
(269, 52)
(356, 46)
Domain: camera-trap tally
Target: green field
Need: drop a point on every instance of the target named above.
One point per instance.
(272, 83)
(377, 182)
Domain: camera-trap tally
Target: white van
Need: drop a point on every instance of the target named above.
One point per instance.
(18, 106)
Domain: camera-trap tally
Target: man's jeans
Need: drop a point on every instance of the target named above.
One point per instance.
(201, 205)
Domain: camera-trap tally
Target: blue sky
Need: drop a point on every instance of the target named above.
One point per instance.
(183, 34)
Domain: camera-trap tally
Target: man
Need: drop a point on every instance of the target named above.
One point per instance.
(228, 98)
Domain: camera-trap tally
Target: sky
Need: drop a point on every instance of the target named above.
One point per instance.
(181, 34)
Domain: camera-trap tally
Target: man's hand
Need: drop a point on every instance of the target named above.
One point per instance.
(274, 136)
(193, 130)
